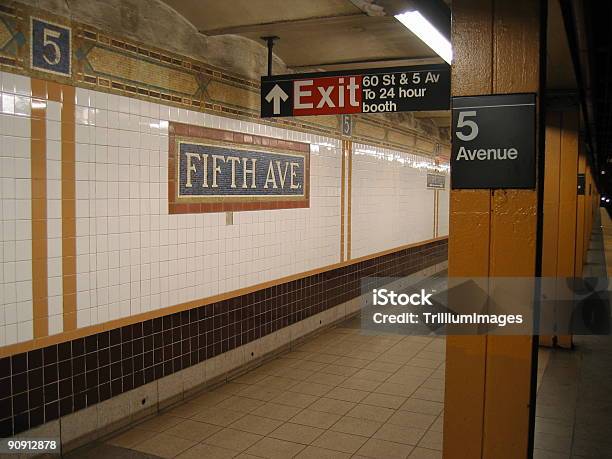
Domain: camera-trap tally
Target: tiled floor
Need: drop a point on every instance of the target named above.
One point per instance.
(574, 404)
(341, 394)
(573, 413)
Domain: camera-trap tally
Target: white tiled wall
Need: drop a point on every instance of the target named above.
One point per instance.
(391, 204)
(15, 208)
(132, 256)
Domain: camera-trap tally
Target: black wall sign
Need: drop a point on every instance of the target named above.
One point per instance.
(383, 90)
(436, 181)
(493, 141)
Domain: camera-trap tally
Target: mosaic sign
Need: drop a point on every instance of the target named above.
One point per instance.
(212, 170)
(216, 171)
(51, 47)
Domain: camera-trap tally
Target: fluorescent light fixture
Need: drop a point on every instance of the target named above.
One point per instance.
(423, 29)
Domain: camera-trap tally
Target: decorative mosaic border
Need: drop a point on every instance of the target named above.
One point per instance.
(114, 64)
(180, 131)
(12, 38)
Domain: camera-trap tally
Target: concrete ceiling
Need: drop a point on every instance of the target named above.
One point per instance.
(215, 16)
(318, 35)
(314, 34)
(319, 43)
(441, 118)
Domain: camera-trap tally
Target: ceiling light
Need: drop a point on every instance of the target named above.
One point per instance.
(423, 29)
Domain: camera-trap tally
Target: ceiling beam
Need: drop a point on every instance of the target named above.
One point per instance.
(277, 26)
(368, 63)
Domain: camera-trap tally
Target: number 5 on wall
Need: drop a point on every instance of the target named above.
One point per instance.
(51, 47)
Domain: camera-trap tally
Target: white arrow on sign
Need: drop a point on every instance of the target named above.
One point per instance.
(277, 94)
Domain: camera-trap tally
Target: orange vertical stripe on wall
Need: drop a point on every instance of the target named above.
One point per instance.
(68, 208)
(349, 194)
(39, 209)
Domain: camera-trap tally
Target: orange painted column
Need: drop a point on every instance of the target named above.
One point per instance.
(588, 210)
(580, 215)
(568, 201)
(487, 413)
(568, 196)
(550, 227)
(560, 229)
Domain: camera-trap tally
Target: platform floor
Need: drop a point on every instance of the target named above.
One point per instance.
(341, 394)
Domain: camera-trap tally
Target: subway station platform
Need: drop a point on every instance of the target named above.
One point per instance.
(308, 229)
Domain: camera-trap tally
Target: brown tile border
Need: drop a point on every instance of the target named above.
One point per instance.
(205, 204)
(38, 163)
(435, 213)
(68, 207)
(349, 191)
(342, 197)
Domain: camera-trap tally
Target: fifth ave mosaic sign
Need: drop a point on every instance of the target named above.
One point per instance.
(386, 90)
(216, 170)
(224, 171)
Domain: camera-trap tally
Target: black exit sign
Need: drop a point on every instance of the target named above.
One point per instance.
(493, 141)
